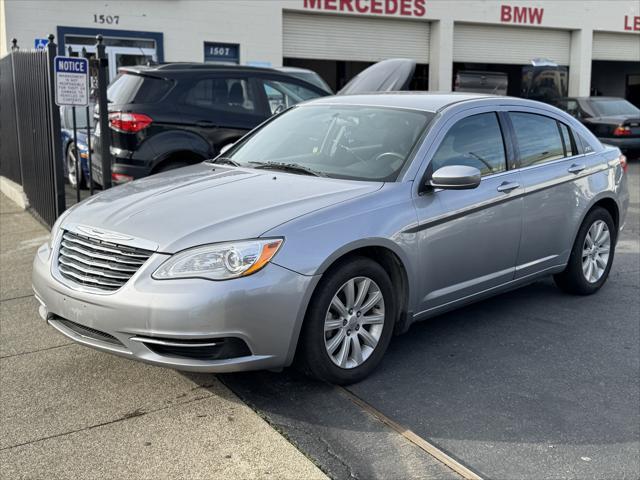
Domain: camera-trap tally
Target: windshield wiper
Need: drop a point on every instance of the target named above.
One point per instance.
(226, 161)
(288, 167)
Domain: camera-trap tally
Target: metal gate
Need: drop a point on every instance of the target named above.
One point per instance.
(31, 151)
(30, 132)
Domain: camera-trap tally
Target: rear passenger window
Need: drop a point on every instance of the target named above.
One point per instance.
(226, 94)
(566, 139)
(475, 141)
(538, 138)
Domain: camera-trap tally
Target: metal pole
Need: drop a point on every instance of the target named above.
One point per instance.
(105, 133)
(76, 155)
(90, 179)
(16, 48)
(56, 147)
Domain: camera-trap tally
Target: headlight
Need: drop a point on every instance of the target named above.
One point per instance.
(56, 230)
(220, 261)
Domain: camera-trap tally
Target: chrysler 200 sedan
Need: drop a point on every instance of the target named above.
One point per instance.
(331, 227)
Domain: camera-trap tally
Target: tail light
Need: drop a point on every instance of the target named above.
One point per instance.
(120, 178)
(623, 163)
(621, 131)
(129, 122)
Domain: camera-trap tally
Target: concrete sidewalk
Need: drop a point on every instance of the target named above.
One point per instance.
(67, 411)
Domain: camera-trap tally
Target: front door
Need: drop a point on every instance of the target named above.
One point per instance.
(469, 239)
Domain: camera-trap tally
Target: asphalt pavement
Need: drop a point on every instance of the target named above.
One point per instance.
(533, 384)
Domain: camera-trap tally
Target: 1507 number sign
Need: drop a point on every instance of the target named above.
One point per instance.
(106, 19)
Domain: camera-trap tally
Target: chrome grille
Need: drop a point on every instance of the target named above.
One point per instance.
(94, 263)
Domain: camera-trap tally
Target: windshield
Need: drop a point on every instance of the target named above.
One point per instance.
(354, 142)
(312, 78)
(606, 108)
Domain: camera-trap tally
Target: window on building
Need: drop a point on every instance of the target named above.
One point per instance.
(538, 138)
(227, 94)
(475, 141)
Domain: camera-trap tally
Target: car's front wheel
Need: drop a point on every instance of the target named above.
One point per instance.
(349, 322)
(592, 255)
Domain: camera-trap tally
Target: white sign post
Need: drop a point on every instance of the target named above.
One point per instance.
(72, 81)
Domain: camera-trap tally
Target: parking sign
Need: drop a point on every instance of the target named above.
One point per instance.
(72, 81)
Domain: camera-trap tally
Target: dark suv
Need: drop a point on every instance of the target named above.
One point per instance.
(172, 115)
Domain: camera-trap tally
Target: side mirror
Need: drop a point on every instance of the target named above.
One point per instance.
(225, 148)
(455, 177)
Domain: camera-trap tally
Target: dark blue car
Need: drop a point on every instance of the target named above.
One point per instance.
(66, 124)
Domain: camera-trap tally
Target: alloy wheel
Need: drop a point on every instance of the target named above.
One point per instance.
(595, 251)
(71, 167)
(354, 322)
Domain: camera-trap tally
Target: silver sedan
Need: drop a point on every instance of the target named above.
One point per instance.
(331, 227)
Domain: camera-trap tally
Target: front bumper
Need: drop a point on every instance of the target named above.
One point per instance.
(264, 310)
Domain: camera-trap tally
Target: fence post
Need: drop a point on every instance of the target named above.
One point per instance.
(16, 48)
(105, 133)
(56, 147)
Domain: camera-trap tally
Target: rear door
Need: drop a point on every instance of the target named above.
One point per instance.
(555, 178)
(221, 108)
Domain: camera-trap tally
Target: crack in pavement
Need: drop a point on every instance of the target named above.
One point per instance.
(36, 351)
(19, 297)
(127, 416)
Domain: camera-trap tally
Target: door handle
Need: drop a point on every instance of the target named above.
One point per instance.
(506, 187)
(206, 124)
(575, 168)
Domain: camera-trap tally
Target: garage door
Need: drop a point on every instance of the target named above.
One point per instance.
(512, 45)
(350, 38)
(616, 46)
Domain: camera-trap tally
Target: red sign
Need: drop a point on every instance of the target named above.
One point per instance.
(513, 14)
(632, 25)
(405, 8)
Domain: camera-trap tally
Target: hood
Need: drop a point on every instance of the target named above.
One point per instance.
(392, 75)
(208, 203)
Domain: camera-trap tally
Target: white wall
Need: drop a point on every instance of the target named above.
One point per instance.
(186, 24)
(257, 25)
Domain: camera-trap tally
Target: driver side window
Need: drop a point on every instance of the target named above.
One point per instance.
(475, 141)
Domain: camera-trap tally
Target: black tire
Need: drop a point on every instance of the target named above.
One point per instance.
(312, 354)
(172, 165)
(572, 279)
(69, 158)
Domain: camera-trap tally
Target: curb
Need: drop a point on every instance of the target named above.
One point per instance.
(15, 192)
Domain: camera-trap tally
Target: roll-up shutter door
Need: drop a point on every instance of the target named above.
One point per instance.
(510, 45)
(351, 38)
(616, 46)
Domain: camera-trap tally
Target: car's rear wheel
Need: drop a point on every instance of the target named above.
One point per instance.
(592, 255)
(71, 168)
(349, 322)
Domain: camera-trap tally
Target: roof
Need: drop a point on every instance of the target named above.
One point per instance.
(193, 66)
(427, 101)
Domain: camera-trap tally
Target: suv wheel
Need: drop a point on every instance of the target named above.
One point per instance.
(592, 255)
(349, 322)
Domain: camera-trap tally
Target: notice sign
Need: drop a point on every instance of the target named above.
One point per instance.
(72, 81)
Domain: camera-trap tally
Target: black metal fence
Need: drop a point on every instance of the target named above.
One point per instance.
(30, 132)
(8, 126)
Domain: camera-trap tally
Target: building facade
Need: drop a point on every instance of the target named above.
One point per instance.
(598, 41)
